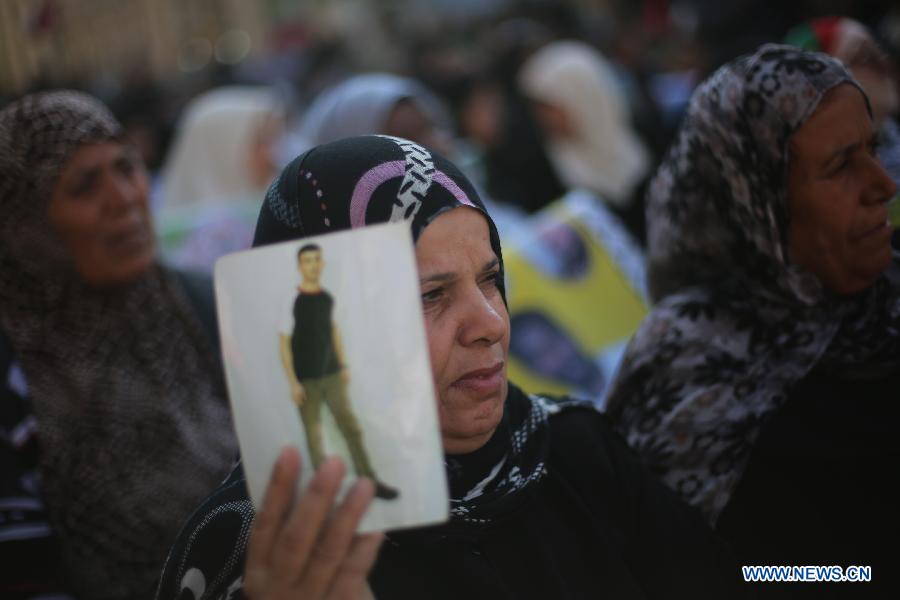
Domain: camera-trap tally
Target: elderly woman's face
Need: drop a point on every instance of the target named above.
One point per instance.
(838, 195)
(99, 208)
(467, 326)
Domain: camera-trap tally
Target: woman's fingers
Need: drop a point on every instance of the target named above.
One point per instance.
(332, 549)
(271, 516)
(308, 550)
(351, 580)
(302, 530)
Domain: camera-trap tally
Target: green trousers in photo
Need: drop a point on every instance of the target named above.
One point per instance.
(332, 391)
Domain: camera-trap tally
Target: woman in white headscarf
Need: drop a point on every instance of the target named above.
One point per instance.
(220, 164)
(584, 114)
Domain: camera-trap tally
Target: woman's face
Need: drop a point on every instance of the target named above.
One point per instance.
(99, 208)
(838, 195)
(467, 327)
(406, 120)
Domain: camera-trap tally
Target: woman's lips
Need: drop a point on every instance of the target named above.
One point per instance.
(133, 238)
(482, 381)
(883, 228)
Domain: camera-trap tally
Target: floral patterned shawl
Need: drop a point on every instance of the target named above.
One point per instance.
(736, 323)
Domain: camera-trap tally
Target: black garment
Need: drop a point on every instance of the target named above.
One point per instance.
(29, 551)
(595, 526)
(312, 343)
(818, 489)
(518, 170)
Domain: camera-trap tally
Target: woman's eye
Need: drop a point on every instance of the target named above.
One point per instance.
(874, 146)
(493, 278)
(127, 166)
(838, 168)
(82, 187)
(432, 296)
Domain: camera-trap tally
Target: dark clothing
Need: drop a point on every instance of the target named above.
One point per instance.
(518, 170)
(596, 525)
(29, 551)
(312, 343)
(816, 488)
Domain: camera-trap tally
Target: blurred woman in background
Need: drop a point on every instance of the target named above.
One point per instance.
(224, 155)
(110, 359)
(376, 103)
(586, 122)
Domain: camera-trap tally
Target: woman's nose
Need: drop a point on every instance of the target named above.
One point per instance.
(482, 320)
(881, 186)
(123, 194)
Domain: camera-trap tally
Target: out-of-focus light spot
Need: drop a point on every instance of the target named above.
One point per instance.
(194, 55)
(233, 46)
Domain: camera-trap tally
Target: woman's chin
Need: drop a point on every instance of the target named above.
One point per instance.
(466, 427)
(120, 272)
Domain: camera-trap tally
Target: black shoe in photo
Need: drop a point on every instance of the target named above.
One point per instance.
(385, 492)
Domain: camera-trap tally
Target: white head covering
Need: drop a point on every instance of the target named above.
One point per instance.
(361, 105)
(605, 156)
(208, 162)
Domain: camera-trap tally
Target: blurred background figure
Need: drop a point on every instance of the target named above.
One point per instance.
(389, 104)
(495, 117)
(114, 405)
(377, 103)
(224, 154)
(581, 109)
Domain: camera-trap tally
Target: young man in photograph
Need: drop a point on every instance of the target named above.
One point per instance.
(313, 359)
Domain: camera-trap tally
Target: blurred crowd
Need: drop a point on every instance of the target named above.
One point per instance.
(534, 98)
(559, 115)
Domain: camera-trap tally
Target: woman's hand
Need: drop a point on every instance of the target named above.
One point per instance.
(306, 552)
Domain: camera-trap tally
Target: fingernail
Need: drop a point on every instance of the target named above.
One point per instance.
(332, 464)
(331, 460)
(364, 486)
(288, 457)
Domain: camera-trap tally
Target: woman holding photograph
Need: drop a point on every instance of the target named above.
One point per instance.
(546, 500)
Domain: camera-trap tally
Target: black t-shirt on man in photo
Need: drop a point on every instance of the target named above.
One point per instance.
(312, 341)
